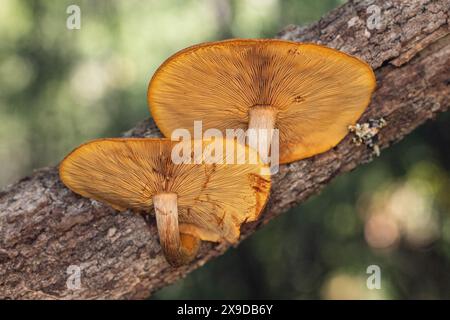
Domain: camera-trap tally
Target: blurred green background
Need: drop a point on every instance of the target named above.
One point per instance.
(60, 87)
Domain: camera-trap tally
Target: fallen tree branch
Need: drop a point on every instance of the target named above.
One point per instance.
(45, 228)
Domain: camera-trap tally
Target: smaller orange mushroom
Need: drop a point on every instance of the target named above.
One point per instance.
(193, 200)
(309, 92)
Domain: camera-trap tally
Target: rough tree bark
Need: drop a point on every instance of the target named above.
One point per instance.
(45, 228)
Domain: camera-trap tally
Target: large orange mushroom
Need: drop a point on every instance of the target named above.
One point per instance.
(309, 92)
(193, 200)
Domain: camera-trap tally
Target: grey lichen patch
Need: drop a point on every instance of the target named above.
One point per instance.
(366, 133)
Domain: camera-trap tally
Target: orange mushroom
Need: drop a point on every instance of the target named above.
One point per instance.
(310, 93)
(192, 200)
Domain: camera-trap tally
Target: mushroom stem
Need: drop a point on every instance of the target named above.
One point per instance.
(178, 248)
(262, 120)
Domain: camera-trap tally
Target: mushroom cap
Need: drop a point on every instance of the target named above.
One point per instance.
(213, 199)
(316, 92)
